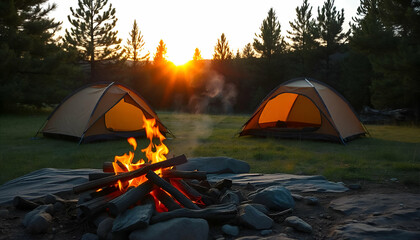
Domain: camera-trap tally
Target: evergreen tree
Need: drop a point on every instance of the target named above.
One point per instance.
(197, 55)
(238, 55)
(160, 55)
(33, 68)
(92, 32)
(304, 33)
(222, 50)
(135, 45)
(330, 24)
(248, 51)
(269, 41)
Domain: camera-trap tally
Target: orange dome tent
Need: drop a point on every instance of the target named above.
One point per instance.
(305, 108)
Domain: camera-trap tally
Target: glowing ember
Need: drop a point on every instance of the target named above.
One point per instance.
(154, 153)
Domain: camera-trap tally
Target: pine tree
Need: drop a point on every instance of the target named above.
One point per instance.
(330, 26)
(160, 55)
(222, 50)
(238, 54)
(33, 68)
(197, 55)
(135, 45)
(92, 32)
(248, 51)
(304, 30)
(303, 34)
(269, 41)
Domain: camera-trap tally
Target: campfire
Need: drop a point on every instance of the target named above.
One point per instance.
(145, 186)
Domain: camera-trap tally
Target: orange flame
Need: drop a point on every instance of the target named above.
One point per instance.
(154, 153)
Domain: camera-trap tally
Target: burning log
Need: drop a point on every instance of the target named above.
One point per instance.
(215, 213)
(181, 198)
(120, 204)
(107, 167)
(184, 174)
(166, 200)
(98, 204)
(191, 192)
(106, 181)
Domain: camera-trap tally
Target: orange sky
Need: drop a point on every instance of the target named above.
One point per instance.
(188, 24)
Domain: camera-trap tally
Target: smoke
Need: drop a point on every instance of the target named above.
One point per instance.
(193, 131)
(217, 97)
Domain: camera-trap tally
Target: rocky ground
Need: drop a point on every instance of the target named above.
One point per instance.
(374, 211)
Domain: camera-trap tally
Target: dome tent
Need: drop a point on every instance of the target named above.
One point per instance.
(100, 111)
(305, 108)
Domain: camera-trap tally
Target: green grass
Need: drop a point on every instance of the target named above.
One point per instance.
(390, 151)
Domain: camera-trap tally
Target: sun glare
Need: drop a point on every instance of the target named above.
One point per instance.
(178, 61)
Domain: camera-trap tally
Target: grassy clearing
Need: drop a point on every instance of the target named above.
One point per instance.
(391, 151)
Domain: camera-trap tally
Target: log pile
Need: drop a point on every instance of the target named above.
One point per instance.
(173, 194)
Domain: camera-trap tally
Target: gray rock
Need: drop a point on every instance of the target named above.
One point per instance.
(260, 207)
(298, 224)
(274, 198)
(230, 230)
(365, 231)
(297, 197)
(104, 228)
(90, 236)
(230, 197)
(37, 211)
(58, 206)
(311, 201)
(39, 223)
(250, 217)
(215, 165)
(174, 229)
(266, 232)
(135, 218)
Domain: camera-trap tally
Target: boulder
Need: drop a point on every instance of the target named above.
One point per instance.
(298, 224)
(275, 198)
(250, 217)
(230, 230)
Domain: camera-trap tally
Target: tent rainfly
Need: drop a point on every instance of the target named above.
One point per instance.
(100, 111)
(305, 108)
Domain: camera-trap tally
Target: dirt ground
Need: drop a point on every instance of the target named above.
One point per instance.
(321, 217)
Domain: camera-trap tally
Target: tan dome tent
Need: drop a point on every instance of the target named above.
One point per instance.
(305, 108)
(100, 112)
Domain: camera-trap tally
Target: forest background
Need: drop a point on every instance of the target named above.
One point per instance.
(376, 63)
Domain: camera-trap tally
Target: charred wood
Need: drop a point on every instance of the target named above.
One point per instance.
(129, 198)
(181, 198)
(166, 200)
(95, 205)
(184, 174)
(24, 204)
(191, 192)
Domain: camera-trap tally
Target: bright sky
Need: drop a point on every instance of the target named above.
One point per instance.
(188, 24)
